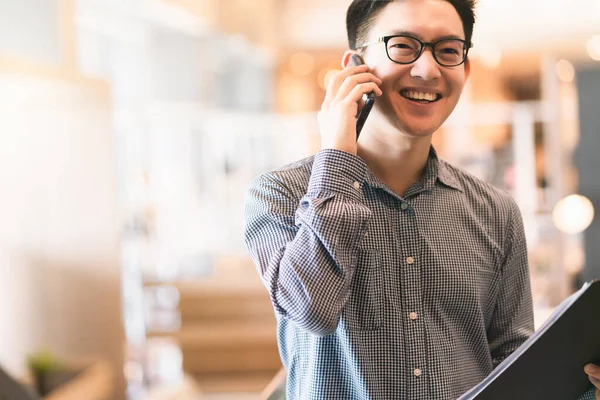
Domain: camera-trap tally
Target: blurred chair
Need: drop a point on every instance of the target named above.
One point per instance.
(227, 336)
(96, 382)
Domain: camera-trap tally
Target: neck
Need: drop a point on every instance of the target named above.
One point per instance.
(397, 161)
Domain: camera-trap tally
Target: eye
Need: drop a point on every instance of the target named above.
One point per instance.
(403, 43)
(449, 50)
(401, 46)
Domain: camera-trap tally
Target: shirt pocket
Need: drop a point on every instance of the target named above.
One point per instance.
(363, 310)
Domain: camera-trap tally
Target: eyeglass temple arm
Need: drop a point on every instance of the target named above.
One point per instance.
(378, 40)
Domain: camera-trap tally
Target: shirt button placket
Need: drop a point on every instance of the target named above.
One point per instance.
(415, 338)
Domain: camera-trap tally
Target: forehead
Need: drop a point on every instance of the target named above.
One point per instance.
(428, 19)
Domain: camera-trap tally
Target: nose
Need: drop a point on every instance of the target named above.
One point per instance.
(425, 67)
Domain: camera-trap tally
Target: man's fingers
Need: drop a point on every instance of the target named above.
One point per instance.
(355, 96)
(338, 78)
(592, 370)
(593, 373)
(353, 81)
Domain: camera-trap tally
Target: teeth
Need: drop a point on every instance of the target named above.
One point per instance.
(411, 94)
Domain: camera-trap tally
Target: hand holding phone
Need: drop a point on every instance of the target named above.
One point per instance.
(369, 98)
(342, 110)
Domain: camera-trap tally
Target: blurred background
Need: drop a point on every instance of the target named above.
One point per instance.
(129, 130)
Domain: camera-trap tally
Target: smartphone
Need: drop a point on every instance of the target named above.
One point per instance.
(369, 98)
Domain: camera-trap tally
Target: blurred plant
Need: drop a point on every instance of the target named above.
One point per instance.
(48, 372)
(43, 361)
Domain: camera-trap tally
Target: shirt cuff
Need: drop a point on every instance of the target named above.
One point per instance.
(589, 395)
(335, 171)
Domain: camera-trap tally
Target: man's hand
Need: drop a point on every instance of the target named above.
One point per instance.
(337, 118)
(593, 372)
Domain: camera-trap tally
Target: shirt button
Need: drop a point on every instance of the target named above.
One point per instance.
(413, 315)
(410, 260)
(417, 372)
(356, 185)
(404, 206)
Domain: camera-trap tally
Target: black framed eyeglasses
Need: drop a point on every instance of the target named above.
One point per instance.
(405, 49)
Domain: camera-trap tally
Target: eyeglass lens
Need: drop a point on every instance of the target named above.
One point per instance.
(448, 52)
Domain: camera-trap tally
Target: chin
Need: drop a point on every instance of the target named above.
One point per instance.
(413, 124)
(410, 125)
(418, 128)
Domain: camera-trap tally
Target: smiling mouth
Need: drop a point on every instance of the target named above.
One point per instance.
(420, 97)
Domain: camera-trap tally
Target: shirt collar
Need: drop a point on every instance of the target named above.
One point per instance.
(435, 170)
(443, 172)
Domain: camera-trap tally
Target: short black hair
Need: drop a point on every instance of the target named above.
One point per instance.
(361, 16)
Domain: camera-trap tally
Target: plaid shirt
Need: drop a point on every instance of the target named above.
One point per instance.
(379, 296)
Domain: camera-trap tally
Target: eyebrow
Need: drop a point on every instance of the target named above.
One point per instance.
(410, 33)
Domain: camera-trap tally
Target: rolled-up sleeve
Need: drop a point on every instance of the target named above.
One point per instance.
(305, 249)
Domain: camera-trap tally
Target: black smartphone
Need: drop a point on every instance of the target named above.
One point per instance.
(369, 98)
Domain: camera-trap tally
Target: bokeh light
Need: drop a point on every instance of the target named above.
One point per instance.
(573, 214)
(593, 47)
(325, 76)
(565, 71)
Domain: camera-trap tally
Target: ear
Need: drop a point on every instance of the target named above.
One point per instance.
(346, 57)
(467, 68)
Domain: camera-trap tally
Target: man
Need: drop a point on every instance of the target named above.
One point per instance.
(393, 274)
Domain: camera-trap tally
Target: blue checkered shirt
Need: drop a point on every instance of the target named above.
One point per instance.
(379, 296)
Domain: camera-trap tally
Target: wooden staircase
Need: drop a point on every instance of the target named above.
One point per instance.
(228, 336)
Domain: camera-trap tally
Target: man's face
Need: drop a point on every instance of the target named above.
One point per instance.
(427, 20)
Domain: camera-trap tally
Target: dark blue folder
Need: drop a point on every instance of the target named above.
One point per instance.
(549, 365)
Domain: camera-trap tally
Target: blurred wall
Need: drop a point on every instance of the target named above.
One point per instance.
(59, 267)
(59, 259)
(587, 161)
